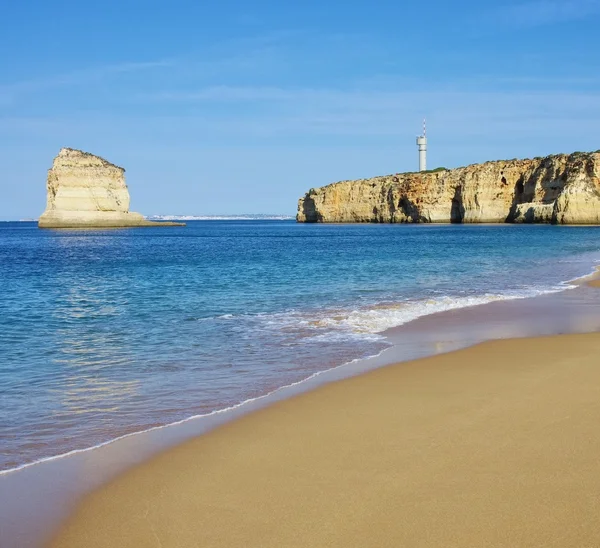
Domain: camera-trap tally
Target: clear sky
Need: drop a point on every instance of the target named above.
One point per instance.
(240, 107)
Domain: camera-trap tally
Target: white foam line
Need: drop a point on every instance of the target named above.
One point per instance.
(575, 281)
(193, 417)
(567, 285)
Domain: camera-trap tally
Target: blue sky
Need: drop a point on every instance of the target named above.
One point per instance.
(240, 107)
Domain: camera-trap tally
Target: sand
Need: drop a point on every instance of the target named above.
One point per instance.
(594, 279)
(495, 445)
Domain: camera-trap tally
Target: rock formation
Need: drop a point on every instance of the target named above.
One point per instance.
(560, 189)
(86, 191)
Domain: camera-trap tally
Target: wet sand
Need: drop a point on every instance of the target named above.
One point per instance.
(494, 445)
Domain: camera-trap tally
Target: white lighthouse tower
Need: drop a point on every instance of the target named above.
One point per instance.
(422, 144)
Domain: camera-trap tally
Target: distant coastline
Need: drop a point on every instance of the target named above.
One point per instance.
(224, 217)
(239, 217)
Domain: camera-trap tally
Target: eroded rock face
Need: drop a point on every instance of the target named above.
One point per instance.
(86, 191)
(562, 189)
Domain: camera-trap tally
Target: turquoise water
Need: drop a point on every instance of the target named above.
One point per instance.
(104, 333)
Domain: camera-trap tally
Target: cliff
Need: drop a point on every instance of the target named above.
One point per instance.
(560, 189)
(86, 191)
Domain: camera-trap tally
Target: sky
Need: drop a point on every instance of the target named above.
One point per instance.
(237, 107)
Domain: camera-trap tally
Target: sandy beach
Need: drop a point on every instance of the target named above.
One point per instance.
(494, 445)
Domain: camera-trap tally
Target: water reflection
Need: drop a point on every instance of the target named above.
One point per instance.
(89, 353)
(85, 394)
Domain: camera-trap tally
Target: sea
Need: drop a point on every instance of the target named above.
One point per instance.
(108, 333)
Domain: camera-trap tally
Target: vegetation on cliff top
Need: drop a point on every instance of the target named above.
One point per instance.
(436, 170)
(85, 154)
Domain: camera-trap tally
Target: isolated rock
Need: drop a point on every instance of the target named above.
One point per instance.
(562, 189)
(86, 191)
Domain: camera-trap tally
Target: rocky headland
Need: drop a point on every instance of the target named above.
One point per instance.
(86, 191)
(558, 189)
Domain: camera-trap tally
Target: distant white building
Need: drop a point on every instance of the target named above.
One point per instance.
(422, 145)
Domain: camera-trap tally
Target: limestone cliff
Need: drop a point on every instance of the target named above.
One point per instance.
(561, 189)
(86, 191)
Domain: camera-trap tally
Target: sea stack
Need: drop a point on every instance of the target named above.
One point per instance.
(86, 191)
(557, 189)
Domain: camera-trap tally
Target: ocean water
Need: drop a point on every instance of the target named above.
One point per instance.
(106, 333)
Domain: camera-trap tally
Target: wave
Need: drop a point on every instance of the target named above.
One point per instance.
(367, 323)
(384, 316)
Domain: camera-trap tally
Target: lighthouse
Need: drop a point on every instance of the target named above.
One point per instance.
(422, 145)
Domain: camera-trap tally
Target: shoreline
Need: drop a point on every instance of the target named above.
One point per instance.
(125, 454)
(492, 445)
(590, 279)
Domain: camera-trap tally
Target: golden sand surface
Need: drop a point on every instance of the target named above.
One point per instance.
(497, 445)
(594, 279)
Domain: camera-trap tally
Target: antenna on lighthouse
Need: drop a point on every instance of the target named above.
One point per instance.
(422, 145)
